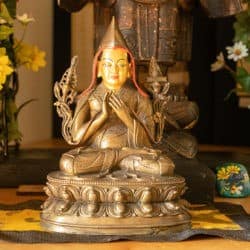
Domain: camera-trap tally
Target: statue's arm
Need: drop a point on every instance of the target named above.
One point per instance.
(84, 126)
(145, 120)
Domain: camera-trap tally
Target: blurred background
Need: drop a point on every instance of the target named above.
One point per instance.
(35, 120)
(62, 35)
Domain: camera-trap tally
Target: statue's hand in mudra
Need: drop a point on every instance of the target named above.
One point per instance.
(105, 111)
(121, 110)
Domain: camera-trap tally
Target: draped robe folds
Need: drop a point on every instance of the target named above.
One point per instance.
(114, 145)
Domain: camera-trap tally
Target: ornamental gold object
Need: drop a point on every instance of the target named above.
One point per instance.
(174, 116)
(116, 182)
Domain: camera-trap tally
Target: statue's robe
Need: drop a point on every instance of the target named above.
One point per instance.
(114, 145)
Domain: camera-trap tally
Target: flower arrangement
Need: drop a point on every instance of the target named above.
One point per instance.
(232, 180)
(239, 52)
(14, 53)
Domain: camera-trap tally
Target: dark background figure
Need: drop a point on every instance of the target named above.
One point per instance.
(159, 28)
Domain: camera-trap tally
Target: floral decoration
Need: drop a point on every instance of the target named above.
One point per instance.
(5, 67)
(238, 52)
(30, 56)
(222, 174)
(14, 53)
(232, 180)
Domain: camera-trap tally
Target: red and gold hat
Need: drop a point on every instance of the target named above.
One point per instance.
(113, 39)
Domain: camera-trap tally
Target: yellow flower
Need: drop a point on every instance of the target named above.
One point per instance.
(222, 174)
(2, 51)
(5, 67)
(36, 59)
(30, 56)
(233, 169)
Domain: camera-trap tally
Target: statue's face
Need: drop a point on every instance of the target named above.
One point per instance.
(114, 68)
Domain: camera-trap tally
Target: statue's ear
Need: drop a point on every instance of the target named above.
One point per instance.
(129, 71)
(99, 73)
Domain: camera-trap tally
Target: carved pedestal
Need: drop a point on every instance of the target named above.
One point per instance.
(117, 204)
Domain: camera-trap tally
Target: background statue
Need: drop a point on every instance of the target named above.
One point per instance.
(159, 28)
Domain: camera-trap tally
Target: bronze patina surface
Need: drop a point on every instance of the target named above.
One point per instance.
(117, 204)
(116, 182)
(174, 117)
(159, 28)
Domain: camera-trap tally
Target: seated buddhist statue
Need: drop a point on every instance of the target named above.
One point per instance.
(115, 182)
(113, 120)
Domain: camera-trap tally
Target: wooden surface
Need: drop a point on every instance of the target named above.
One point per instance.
(8, 196)
(198, 244)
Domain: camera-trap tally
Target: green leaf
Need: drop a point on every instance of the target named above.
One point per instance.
(11, 6)
(4, 13)
(248, 59)
(243, 77)
(245, 83)
(244, 37)
(13, 132)
(5, 32)
(8, 45)
(241, 72)
(23, 105)
(12, 123)
(242, 26)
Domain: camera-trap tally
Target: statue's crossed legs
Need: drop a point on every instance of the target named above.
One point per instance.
(92, 160)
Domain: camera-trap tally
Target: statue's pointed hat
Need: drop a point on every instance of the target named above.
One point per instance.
(154, 68)
(154, 73)
(113, 39)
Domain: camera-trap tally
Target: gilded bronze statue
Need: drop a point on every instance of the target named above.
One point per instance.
(161, 29)
(117, 175)
(114, 120)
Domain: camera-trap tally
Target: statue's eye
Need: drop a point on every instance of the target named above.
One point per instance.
(107, 65)
(121, 65)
